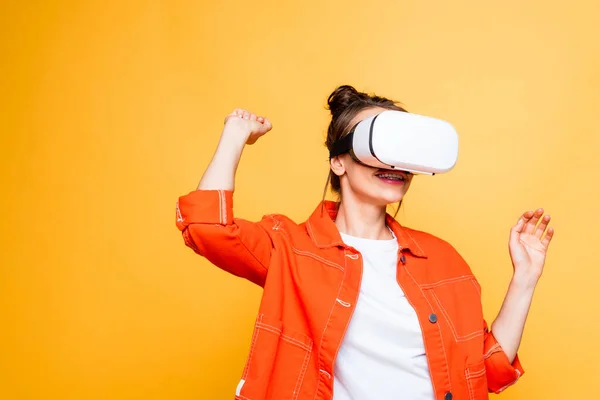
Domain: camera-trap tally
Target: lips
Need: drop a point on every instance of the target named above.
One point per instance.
(391, 176)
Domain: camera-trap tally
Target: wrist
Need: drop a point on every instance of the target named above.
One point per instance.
(523, 283)
(233, 140)
(236, 133)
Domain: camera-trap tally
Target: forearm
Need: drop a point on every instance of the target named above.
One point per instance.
(220, 173)
(510, 322)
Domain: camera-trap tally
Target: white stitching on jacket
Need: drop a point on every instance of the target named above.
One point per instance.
(343, 303)
(325, 328)
(252, 346)
(300, 379)
(512, 383)
(439, 329)
(445, 281)
(179, 217)
(223, 207)
(318, 258)
(458, 338)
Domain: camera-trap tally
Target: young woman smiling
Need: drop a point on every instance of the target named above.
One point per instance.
(356, 306)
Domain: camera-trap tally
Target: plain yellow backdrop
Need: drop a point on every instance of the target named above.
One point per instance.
(111, 110)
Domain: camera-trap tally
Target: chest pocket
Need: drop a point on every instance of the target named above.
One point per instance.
(459, 302)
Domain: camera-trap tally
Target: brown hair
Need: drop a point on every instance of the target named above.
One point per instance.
(344, 103)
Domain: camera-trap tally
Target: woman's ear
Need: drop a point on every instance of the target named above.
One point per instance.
(337, 165)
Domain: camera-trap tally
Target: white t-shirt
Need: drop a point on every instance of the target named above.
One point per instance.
(382, 355)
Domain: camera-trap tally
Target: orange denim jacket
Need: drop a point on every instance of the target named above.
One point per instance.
(311, 283)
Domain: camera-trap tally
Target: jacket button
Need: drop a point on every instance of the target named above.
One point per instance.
(433, 320)
(403, 259)
(448, 396)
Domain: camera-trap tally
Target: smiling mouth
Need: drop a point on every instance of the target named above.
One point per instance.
(394, 177)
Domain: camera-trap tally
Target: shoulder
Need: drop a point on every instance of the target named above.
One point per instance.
(278, 220)
(431, 241)
(302, 235)
(437, 249)
(280, 223)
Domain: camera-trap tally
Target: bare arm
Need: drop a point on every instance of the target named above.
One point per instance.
(528, 246)
(241, 128)
(509, 324)
(205, 216)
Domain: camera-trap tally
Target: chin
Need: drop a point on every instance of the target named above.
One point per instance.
(376, 193)
(385, 199)
(387, 202)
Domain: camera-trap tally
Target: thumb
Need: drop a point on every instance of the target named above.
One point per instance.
(515, 232)
(267, 126)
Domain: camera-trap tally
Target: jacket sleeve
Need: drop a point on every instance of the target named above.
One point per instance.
(500, 372)
(242, 248)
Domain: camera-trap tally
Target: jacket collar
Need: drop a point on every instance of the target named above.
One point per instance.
(324, 233)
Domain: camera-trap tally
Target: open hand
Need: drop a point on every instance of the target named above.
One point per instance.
(528, 245)
(243, 123)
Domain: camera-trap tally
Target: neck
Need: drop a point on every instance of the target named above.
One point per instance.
(360, 219)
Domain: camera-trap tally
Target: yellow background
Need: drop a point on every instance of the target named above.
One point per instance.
(111, 110)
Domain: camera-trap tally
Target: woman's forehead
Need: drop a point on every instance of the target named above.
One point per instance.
(366, 113)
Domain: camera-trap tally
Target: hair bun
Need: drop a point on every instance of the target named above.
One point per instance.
(341, 98)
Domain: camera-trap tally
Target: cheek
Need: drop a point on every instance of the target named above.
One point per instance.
(359, 174)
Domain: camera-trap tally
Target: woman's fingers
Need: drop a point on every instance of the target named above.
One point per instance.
(242, 113)
(548, 237)
(525, 218)
(515, 231)
(257, 124)
(519, 225)
(527, 215)
(541, 228)
(234, 113)
(267, 125)
(532, 222)
(238, 112)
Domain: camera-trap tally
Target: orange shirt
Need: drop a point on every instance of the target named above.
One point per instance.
(311, 282)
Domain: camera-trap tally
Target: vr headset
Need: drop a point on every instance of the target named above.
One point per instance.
(401, 140)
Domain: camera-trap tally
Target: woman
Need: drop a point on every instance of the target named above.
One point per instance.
(356, 306)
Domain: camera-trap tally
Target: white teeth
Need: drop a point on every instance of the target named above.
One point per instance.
(391, 176)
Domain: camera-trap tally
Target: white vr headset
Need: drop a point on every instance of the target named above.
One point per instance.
(401, 140)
